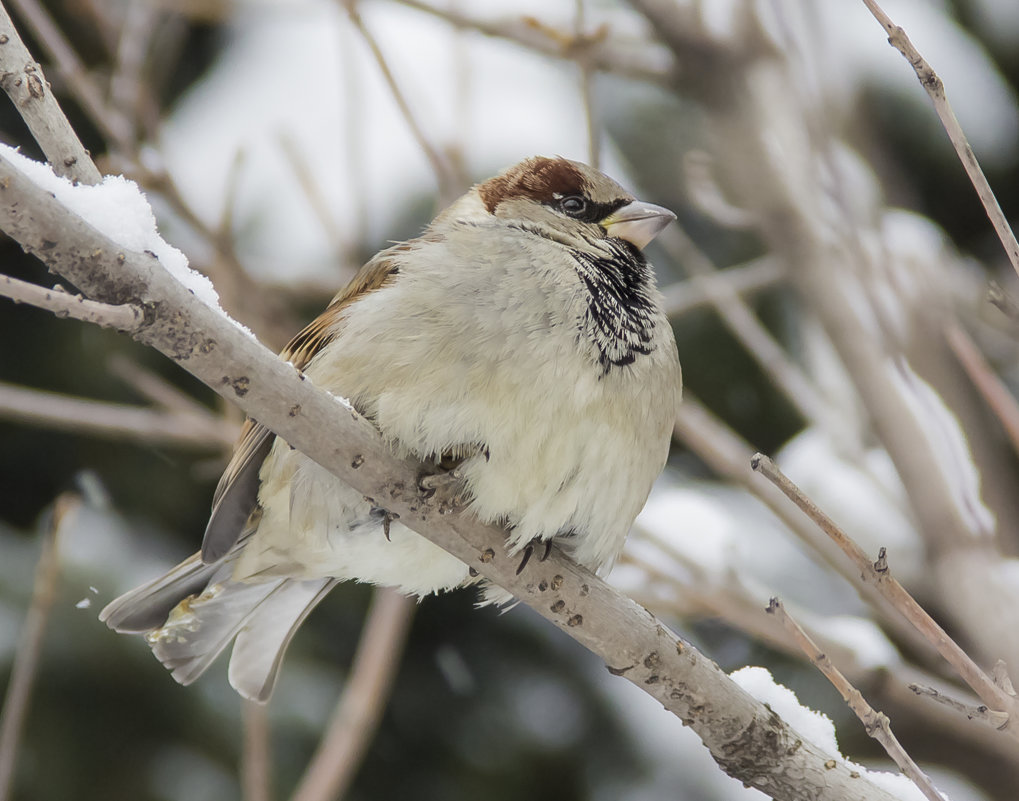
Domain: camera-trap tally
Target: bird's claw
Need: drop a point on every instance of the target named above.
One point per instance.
(445, 489)
(529, 549)
(387, 518)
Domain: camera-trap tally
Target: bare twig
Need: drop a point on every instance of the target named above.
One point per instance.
(256, 759)
(875, 723)
(26, 659)
(878, 575)
(981, 712)
(127, 85)
(309, 184)
(706, 195)
(448, 182)
(741, 321)
(729, 457)
(114, 420)
(1002, 301)
(360, 706)
(706, 596)
(934, 86)
(647, 61)
(583, 60)
(157, 389)
(22, 79)
(988, 384)
(113, 125)
(695, 293)
(125, 317)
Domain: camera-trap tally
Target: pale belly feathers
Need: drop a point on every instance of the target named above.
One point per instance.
(555, 444)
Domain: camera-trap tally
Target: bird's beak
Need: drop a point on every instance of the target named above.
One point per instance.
(637, 222)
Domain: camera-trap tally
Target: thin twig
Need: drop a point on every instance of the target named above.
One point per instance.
(125, 317)
(991, 388)
(934, 86)
(360, 706)
(878, 574)
(113, 420)
(127, 92)
(741, 321)
(448, 184)
(354, 159)
(875, 723)
(981, 712)
(23, 81)
(26, 659)
(707, 197)
(728, 456)
(309, 183)
(642, 60)
(725, 598)
(583, 60)
(744, 279)
(1002, 301)
(256, 759)
(157, 389)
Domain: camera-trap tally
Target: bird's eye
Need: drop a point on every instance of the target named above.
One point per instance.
(574, 205)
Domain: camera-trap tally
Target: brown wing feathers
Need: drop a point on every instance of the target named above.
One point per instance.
(236, 494)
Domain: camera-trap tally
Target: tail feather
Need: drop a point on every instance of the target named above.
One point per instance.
(191, 614)
(200, 627)
(147, 607)
(262, 642)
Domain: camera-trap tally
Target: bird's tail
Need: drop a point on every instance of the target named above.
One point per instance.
(190, 614)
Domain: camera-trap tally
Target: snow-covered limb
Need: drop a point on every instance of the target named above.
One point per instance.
(745, 738)
(876, 723)
(877, 574)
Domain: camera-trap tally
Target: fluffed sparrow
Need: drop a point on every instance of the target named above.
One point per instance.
(520, 338)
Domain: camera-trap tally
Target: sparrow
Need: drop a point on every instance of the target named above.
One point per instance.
(519, 344)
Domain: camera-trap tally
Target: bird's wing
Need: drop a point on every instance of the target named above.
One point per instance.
(236, 495)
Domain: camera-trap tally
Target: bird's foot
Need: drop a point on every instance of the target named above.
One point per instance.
(446, 490)
(386, 517)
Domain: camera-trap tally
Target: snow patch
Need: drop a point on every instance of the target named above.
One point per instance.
(815, 726)
(818, 729)
(118, 209)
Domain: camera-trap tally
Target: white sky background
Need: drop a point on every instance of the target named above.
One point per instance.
(297, 69)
